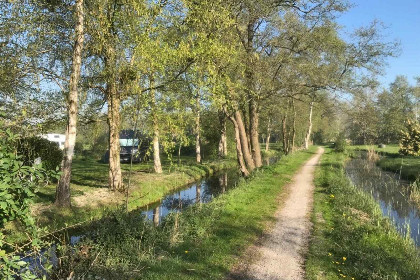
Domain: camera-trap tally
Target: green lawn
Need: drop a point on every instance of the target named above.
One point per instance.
(203, 242)
(389, 149)
(351, 238)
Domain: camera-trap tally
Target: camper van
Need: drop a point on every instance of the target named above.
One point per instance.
(56, 138)
(132, 145)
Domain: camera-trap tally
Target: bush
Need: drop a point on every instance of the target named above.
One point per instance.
(18, 184)
(32, 148)
(340, 143)
(410, 141)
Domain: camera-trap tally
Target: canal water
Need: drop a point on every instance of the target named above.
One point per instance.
(389, 192)
(202, 191)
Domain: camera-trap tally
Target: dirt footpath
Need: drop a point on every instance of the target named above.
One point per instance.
(280, 254)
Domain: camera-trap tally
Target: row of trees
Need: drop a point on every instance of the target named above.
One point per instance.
(381, 116)
(261, 65)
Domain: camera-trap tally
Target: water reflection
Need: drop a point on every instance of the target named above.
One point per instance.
(223, 179)
(387, 189)
(201, 192)
(198, 194)
(156, 217)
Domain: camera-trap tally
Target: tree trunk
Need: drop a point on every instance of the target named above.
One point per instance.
(197, 128)
(250, 90)
(222, 141)
(267, 143)
(246, 126)
(239, 154)
(179, 153)
(308, 133)
(115, 176)
(253, 129)
(294, 126)
(62, 197)
(284, 132)
(156, 150)
(244, 142)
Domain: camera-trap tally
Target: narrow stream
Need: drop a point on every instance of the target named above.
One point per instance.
(202, 191)
(387, 190)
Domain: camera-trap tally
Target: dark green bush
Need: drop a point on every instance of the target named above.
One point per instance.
(32, 148)
(340, 143)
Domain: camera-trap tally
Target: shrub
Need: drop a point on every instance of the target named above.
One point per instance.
(32, 148)
(340, 143)
(410, 140)
(18, 183)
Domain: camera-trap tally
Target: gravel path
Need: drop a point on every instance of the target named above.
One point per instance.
(280, 254)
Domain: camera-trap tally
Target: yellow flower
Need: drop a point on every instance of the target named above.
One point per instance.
(332, 196)
(186, 252)
(329, 254)
(344, 258)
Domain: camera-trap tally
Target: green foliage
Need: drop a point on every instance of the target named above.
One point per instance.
(18, 184)
(410, 141)
(32, 148)
(340, 142)
(351, 238)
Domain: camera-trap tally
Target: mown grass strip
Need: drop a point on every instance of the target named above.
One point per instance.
(204, 241)
(351, 238)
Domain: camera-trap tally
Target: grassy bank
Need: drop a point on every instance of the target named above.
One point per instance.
(407, 166)
(201, 243)
(351, 239)
(91, 198)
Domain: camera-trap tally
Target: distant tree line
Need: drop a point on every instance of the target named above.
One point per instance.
(381, 116)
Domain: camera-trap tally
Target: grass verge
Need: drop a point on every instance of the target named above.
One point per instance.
(203, 242)
(351, 238)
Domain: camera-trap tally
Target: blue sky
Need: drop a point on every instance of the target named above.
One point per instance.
(403, 21)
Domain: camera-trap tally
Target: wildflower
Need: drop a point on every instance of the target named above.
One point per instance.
(344, 258)
(329, 254)
(332, 196)
(186, 252)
